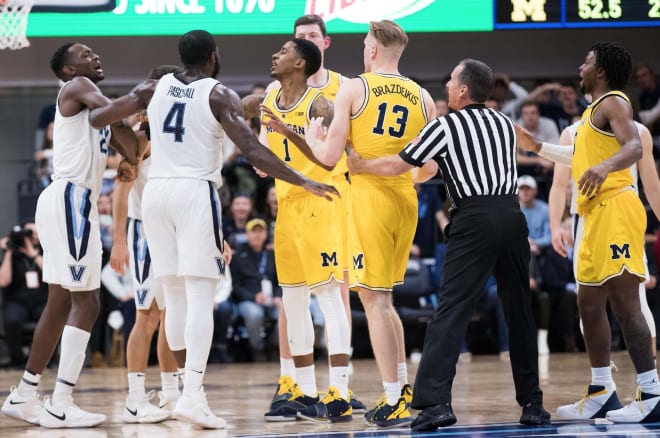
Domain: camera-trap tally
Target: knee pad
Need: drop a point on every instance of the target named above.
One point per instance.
(300, 330)
(336, 322)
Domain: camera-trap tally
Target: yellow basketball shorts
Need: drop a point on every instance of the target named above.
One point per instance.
(308, 249)
(385, 220)
(613, 240)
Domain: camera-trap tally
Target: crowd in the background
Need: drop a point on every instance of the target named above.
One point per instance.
(245, 322)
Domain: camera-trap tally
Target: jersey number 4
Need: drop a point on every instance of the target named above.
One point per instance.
(173, 123)
(395, 131)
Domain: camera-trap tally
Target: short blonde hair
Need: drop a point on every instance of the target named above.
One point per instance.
(388, 33)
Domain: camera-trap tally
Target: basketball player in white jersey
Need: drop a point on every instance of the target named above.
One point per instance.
(130, 250)
(67, 221)
(188, 115)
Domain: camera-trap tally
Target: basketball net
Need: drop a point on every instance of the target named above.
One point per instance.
(13, 23)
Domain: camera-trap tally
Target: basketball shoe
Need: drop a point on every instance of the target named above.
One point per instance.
(406, 393)
(67, 416)
(22, 408)
(645, 409)
(390, 416)
(195, 409)
(332, 408)
(595, 404)
(289, 410)
(357, 405)
(143, 412)
(285, 389)
(167, 403)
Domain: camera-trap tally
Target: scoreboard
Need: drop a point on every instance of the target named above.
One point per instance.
(548, 14)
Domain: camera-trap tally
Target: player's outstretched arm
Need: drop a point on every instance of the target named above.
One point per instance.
(388, 165)
(137, 99)
(227, 108)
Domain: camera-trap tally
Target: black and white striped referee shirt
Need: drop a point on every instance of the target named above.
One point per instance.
(475, 149)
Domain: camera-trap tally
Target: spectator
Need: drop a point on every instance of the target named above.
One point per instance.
(538, 223)
(544, 129)
(271, 214)
(43, 157)
(649, 99)
(509, 94)
(233, 224)
(255, 287)
(558, 101)
(24, 293)
(431, 219)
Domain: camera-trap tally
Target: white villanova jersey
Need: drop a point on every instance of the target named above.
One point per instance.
(80, 152)
(135, 196)
(186, 138)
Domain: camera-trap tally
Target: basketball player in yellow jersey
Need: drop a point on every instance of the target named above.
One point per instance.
(307, 253)
(380, 111)
(312, 28)
(610, 260)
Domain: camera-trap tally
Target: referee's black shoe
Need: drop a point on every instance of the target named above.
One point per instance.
(431, 418)
(533, 414)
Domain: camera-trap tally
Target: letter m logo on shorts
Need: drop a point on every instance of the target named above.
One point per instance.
(358, 261)
(329, 259)
(76, 272)
(618, 251)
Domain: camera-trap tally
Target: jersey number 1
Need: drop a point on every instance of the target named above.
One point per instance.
(173, 123)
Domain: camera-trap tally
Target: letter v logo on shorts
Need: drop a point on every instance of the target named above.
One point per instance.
(77, 272)
(220, 263)
(141, 294)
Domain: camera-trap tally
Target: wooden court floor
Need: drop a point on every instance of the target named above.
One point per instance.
(240, 393)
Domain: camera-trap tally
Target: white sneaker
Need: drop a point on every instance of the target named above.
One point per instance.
(595, 404)
(68, 416)
(165, 403)
(22, 408)
(645, 409)
(196, 410)
(143, 411)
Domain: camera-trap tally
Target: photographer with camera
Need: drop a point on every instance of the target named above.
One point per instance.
(24, 294)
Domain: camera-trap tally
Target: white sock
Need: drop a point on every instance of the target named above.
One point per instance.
(392, 392)
(182, 373)
(402, 373)
(602, 376)
(170, 383)
(136, 390)
(339, 379)
(72, 356)
(287, 368)
(648, 382)
(306, 380)
(27, 387)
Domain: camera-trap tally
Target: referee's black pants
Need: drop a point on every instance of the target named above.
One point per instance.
(488, 235)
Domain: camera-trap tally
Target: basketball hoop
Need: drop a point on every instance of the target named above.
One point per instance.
(13, 23)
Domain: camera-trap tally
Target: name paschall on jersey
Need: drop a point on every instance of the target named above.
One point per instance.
(180, 93)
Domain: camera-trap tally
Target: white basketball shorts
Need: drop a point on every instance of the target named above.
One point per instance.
(68, 225)
(183, 225)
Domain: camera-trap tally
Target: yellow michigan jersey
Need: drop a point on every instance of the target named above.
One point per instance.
(296, 118)
(391, 115)
(593, 145)
(384, 208)
(307, 248)
(615, 219)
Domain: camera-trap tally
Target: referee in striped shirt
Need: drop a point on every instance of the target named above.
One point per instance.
(475, 148)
